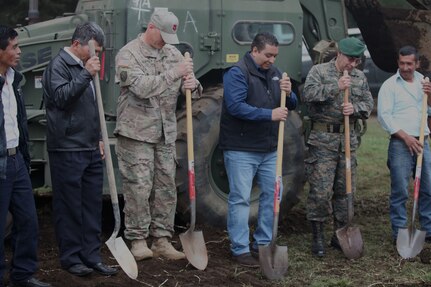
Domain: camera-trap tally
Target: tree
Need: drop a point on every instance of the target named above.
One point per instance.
(15, 12)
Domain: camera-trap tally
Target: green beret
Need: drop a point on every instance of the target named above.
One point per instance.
(352, 47)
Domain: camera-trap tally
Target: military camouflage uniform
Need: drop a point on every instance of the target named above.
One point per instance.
(147, 130)
(325, 164)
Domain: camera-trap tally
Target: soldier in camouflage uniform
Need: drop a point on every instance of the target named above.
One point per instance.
(151, 74)
(325, 165)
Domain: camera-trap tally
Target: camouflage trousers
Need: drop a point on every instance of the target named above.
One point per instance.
(326, 174)
(148, 186)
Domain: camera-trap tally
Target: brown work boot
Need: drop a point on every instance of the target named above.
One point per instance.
(162, 247)
(140, 250)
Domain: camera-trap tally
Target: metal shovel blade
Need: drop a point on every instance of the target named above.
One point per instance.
(273, 261)
(351, 241)
(123, 256)
(194, 248)
(410, 244)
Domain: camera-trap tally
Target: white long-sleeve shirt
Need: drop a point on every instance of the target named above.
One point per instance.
(10, 110)
(399, 105)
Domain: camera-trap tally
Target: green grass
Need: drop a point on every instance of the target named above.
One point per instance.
(381, 265)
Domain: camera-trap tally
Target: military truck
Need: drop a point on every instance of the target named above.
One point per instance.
(217, 33)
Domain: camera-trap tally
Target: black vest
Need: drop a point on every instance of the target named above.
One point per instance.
(263, 92)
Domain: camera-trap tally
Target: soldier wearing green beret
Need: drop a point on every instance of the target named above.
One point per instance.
(325, 164)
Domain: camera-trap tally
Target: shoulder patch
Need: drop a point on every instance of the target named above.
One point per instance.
(123, 76)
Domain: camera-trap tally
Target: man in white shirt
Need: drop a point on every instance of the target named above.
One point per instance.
(399, 112)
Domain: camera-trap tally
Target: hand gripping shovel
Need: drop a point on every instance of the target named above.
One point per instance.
(349, 236)
(410, 241)
(117, 246)
(192, 241)
(273, 258)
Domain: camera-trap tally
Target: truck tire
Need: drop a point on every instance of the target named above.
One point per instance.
(355, 4)
(211, 182)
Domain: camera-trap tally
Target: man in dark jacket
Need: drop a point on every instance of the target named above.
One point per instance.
(76, 152)
(16, 194)
(248, 135)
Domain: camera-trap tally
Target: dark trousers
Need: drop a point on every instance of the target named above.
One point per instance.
(16, 195)
(77, 181)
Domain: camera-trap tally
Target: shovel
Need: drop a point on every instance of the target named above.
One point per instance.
(410, 241)
(273, 258)
(349, 236)
(117, 246)
(192, 241)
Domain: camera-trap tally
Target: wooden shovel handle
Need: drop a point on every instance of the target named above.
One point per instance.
(190, 155)
(347, 142)
(278, 169)
(190, 151)
(423, 125)
(421, 140)
(108, 158)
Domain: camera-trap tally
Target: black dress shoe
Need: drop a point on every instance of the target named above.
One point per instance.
(30, 282)
(79, 270)
(104, 269)
(254, 252)
(247, 260)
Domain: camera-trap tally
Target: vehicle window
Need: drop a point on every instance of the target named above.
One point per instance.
(243, 32)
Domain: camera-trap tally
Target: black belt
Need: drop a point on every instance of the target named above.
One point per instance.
(329, 128)
(395, 138)
(12, 151)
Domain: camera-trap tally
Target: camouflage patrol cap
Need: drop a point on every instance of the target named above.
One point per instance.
(352, 47)
(167, 23)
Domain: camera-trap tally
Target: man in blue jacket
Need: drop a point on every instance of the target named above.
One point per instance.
(16, 193)
(249, 122)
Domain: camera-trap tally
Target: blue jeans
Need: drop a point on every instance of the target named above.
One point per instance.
(16, 195)
(241, 168)
(402, 167)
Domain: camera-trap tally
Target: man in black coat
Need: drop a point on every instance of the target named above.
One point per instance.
(75, 152)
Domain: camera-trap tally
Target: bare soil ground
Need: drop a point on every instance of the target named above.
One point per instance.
(221, 269)
(381, 265)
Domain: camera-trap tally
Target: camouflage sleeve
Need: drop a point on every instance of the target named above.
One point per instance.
(131, 74)
(362, 99)
(318, 87)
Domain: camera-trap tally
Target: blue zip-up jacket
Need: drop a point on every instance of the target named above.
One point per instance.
(250, 95)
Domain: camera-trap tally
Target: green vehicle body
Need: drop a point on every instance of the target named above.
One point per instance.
(217, 33)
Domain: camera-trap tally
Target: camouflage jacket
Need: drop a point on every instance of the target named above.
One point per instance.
(148, 92)
(324, 100)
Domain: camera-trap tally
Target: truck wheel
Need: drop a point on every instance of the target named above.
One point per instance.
(212, 187)
(361, 4)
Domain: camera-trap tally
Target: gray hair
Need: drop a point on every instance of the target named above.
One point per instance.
(87, 31)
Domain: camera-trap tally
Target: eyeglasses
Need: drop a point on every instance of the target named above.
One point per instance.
(355, 60)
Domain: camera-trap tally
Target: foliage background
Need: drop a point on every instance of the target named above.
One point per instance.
(15, 12)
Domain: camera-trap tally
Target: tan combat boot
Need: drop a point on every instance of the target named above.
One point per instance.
(162, 247)
(140, 250)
